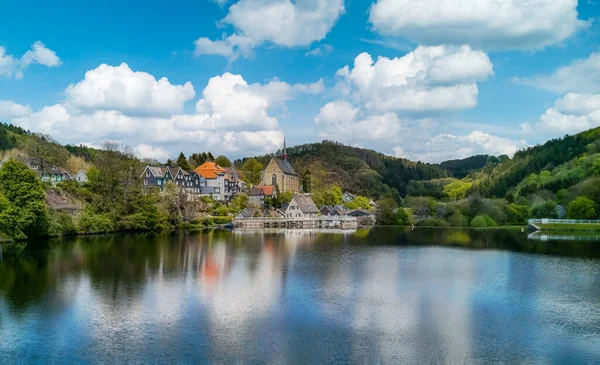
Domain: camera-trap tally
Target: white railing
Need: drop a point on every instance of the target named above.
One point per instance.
(563, 221)
(286, 219)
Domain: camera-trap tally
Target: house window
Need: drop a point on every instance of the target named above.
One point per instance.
(274, 180)
(159, 182)
(147, 173)
(145, 182)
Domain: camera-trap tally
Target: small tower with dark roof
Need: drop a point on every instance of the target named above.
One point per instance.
(284, 150)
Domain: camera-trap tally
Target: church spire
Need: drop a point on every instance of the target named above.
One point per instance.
(284, 150)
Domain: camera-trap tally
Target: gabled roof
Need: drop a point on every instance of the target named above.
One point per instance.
(211, 170)
(285, 167)
(359, 213)
(306, 204)
(268, 189)
(155, 171)
(328, 208)
(255, 192)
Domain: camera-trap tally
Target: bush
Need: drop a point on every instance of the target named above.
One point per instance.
(60, 224)
(483, 221)
(90, 223)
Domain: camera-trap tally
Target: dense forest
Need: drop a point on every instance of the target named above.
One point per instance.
(477, 191)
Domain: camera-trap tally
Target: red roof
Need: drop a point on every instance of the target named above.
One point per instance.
(268, 189)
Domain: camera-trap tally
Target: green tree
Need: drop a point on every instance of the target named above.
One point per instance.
(402, 217)
(238, 203)
(223, 161)
(21, 199)
(360, 202)
(483, 221)
(252, 170)
(210, 157)
(386, 212)
(183, 162)
(457, 189)
(543, 209)
(582, 208)
(45, 152)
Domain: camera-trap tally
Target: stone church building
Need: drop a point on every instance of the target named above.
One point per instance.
(279, 172)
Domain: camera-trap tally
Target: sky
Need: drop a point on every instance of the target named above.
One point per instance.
(427, 80)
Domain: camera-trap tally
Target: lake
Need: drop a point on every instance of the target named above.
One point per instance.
(379, 296)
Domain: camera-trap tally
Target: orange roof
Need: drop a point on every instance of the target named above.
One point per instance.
(268, 189)
(210, 170)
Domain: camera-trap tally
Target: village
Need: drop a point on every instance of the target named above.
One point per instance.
(279, 183)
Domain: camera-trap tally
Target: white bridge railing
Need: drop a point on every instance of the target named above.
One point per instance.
(287, 219)
(563, 221)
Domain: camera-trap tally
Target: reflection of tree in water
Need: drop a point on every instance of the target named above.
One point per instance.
(491, 239)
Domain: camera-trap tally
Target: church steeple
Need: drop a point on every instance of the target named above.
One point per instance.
(284, 150)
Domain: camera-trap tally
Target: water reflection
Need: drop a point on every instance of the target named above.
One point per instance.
(301, 296)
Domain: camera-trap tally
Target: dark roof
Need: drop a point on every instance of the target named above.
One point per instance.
(329, 208)
(284, 207)
(285, 167)
(359, 213)
(245, 213)
(255, 192)
(306, 204)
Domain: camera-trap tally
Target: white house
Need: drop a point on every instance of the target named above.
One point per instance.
(301, 206)
(81, 177)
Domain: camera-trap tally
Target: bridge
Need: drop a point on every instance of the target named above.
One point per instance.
(323, 222)
(569, 224)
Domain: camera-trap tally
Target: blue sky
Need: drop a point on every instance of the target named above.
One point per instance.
(435, 79)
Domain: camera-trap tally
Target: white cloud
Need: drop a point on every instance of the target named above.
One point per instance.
(146, 151)
(10, 109)
(384, 102)
(230, 102)
(427, 79)
(10, 66)
(138, 93)
(489, 24)
(571, 114)
(115, 103)
(40, 54)
(341, 121)
(280, 22)
(220, 2)
(447, 146)
(322, 50)
(581, 76)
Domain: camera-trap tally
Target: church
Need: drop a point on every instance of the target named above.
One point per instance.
(279, 172)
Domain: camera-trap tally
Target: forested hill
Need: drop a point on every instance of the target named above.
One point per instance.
(361, 171)
(557, 164)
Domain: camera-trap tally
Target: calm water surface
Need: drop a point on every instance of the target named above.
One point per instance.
(384, 296)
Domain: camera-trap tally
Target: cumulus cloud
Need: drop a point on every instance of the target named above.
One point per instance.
(341, 120)
(393, 105)
(447, 146)
(571, 114)
(581, 76)
(281, 22)
(427, 79)
(146, 151)
(488, 24)
(10, 66)
(119, 88)
(116, 103)
(10, 109)
(230, 102)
